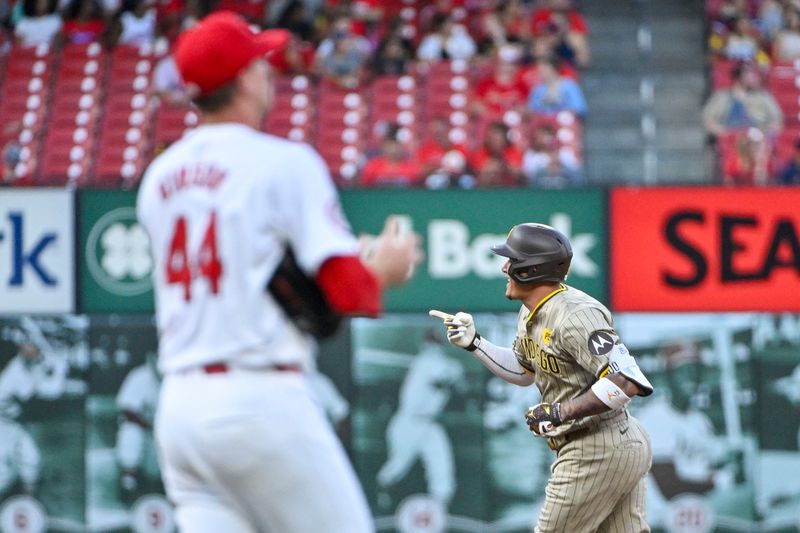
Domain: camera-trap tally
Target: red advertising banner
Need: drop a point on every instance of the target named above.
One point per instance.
(705, 249)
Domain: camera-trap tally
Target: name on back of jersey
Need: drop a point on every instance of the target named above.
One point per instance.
(197, 175)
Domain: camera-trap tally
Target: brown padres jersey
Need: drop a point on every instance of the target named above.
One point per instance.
(565, 342)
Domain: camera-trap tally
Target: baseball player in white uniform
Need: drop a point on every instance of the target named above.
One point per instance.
(243, 445)
(414, 431)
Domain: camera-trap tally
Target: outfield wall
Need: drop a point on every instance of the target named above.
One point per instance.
(708, 274)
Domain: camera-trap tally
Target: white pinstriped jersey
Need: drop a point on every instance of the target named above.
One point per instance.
(555, 341)
(219, 206)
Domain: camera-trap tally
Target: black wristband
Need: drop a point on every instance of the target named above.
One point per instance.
(476, 341)
(555, 414)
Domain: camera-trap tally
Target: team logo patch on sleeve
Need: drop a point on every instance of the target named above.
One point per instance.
(600, 343)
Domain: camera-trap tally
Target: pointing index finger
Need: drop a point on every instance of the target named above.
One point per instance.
(441, 315)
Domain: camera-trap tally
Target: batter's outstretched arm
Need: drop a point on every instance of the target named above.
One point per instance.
(589, 403)
(502, 362)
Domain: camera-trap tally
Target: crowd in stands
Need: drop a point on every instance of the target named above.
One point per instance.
(435, 93)
(752, 117)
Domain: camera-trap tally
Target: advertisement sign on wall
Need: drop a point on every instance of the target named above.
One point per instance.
(681, 249)
(458, 229)
(37, 251)
(114, 254)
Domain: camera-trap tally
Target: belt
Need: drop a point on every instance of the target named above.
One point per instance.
(556, 443)
(594, 424)
(222, 368)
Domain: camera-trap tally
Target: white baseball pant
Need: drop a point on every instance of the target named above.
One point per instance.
(249, 451)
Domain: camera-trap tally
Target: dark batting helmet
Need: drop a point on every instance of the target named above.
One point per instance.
(537, 253)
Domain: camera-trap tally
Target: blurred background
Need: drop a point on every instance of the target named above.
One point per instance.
(660, 136)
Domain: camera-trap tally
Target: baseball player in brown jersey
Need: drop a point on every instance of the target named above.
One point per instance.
(566, 345)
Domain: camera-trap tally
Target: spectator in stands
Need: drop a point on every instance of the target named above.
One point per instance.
(290, 55)
(450, 8)
(254, 11)
(439, 155)
(555, 93)
(136, 24)
(546, 164)
(745, 104)
(770, 18)
(12, 155)
(366, 15)
(40, 23)
(446, 40)
(498, 162)
(790, 173)
(730, 10)
(565, 29)
(168, 85)
(786, 46)
(748, 164)
(296, 19)
(84, 22)
(393, 166)
(394, 54)
(502, 90)
(342, 55)
(507, 23)
(741, 43)
(529, 71)
(5, 13)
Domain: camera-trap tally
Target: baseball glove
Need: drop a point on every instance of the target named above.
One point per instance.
(302, 300)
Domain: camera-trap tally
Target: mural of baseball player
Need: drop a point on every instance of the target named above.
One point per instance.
(688, 457)
(19, 460)
(135, 450)
(701, 419)
(335, 406)
(41, 406)
(414, 433)
(776, 340)
(789, 388)
(29, 374)
(35, 371)
(519, 479)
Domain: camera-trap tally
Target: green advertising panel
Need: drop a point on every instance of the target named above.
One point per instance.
(113, 255)
(458, 229)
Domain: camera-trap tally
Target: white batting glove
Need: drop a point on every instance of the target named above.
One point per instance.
(460, 329)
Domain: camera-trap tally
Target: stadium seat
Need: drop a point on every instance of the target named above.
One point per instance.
(342, 122)
(25, 100)
(293, 115)
(394, 99)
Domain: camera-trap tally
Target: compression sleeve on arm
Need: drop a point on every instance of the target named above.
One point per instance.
(350, 288)
(502, 362)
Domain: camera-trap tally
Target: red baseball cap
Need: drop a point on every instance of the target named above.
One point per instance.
(213, 52)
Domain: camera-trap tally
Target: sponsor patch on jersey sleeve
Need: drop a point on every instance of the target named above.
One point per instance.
(600, 342)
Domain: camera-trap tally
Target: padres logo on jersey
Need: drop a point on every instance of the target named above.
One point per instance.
(535, 354)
